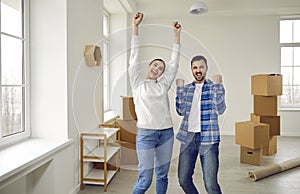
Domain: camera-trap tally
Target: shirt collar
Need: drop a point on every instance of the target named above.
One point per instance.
(194, 83)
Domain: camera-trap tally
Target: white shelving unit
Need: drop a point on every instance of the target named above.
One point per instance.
(105, 149)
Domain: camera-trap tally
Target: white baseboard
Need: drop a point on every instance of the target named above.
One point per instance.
(290, 134)
(227, 133)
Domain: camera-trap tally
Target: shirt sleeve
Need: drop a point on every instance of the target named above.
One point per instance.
(134, 70)
(219, 98)
(180, 105)
(172, 68)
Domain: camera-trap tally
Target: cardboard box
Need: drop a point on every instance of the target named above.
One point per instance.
(128, 130)
(273, 121)
(251, 135)
(128, 153)
(250, 156)
(265, 105)
(92, 55)
(127, 108)
(266, 84)
(271, 148)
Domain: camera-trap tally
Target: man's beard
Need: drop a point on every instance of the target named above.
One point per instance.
(201, 78)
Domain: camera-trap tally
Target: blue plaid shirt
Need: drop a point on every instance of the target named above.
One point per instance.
(212, 105)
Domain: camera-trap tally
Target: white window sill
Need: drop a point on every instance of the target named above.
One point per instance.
(289, 109)
(22, 158)
(108, 115)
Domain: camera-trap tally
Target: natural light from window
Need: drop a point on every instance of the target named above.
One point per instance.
(13, 79)
(106, 69)
(290, 62)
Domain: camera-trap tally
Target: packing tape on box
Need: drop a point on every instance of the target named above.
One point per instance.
(266, 171)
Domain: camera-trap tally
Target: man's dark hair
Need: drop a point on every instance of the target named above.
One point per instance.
(158, 59)
(198, 58)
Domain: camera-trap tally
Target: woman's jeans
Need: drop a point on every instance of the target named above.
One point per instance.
(209, 158)
(154, 149)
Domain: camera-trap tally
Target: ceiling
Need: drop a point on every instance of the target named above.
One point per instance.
(180, 8)
(13, 3)
(113, 6)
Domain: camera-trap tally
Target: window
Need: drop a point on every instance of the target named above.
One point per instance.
(290, 62)
(13, 71)
(106, 69)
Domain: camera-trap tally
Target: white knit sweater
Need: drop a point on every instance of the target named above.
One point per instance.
(151, 96)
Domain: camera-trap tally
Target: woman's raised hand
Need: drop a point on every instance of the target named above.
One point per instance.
(137, 19)
(176, 26)
(177, 29)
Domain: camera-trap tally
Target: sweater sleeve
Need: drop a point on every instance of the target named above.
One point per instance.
(134, 70)
(172, 68)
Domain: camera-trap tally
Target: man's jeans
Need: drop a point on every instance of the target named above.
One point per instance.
(153, 147)
(209, 158)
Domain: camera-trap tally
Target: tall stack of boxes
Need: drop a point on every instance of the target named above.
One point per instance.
(128, 130)
(258, 136)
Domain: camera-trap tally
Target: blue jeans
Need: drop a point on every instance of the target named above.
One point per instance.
(209, 158)
(154, 149)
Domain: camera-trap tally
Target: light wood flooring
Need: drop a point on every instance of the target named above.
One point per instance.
(233, 175)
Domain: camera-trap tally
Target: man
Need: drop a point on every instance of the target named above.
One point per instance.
(200, 103)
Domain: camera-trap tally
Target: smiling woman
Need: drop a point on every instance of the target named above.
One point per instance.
(156, 68)
(14, 72)
(155, 135)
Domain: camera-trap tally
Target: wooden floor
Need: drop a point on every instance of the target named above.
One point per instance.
(233, 175)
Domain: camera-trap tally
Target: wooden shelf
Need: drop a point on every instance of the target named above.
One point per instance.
(96, 177)
(100, 133)
(101, 153)
(98, 152)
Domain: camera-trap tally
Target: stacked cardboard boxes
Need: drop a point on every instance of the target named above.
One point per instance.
(128, 130)
(258, 136)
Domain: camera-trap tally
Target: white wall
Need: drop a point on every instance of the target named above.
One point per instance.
(237, 46)
(84, 83)
(84, 28)
(290, 122)
(53, 177)
(48, 64)
(119, 59)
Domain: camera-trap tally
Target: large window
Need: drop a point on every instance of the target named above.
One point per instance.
(106, 69)
(14, 74)
(290, 62)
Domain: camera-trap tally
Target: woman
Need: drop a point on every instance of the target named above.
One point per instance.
(154, 141)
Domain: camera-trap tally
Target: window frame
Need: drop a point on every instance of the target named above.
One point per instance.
(107, 105)
(26, 133)
(290, 45)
